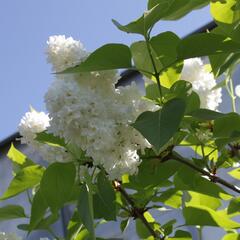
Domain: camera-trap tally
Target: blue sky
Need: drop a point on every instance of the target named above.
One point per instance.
(26, 25)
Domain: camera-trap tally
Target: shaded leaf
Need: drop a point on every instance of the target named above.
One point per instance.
(179, 8)
(205, 114)
(57, 184)
(124, 224)
(160, 126)
(152, 172)
(84, 210)
(146, 21)
(234, 205)
(208, 44)
(38, 209)
(181, 235)
(104, 200)
(50, 139)
(11, 212)
(109, 56)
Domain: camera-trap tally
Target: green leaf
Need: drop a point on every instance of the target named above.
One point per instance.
(57, 184)
(229, 30)
(208, 44)
(73, 227)
(84, 209)
(104, 201)
(11, 212)
(183, 89)
(152, 91)
(179, 8)
(206, 114)
(171, 75)
(18, 157)
(226, 129)
(152, 172)
(227, 11)
(50, 139)
(181, 235)
(160, 9)
(197, 199)
(204, 216)
(222, 62)
(109, 56)
(38, 209)
(231, 236)
(136, 26)
(198, 184)
(171, 197)
(142, 59)
(160, 126)
(142, 230)
(146, 21)
(124, 224)
(165, 47)
(235, 173)
(234, 205)
(26, 178)
(226, 125)
(83, 234)
(44, 224)
(168, 226)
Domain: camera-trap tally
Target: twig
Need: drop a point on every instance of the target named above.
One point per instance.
(139, 214)
(175, 156)
(156, 74)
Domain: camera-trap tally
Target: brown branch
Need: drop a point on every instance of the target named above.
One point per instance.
(175, 156)
(136, 211)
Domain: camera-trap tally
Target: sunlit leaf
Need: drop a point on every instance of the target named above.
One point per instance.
(27, 178)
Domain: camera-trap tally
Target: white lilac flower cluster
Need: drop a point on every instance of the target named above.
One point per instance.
(88, 112)
(203, 82)
(34, 122)
(64, 52)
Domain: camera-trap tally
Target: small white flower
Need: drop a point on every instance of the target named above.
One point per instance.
(237, 90)
(64, 52)
(202, 82)
(31, 123)
(34, 122)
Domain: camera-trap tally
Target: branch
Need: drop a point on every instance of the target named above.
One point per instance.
(175, 156)
(139, 213)
(156, 74)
